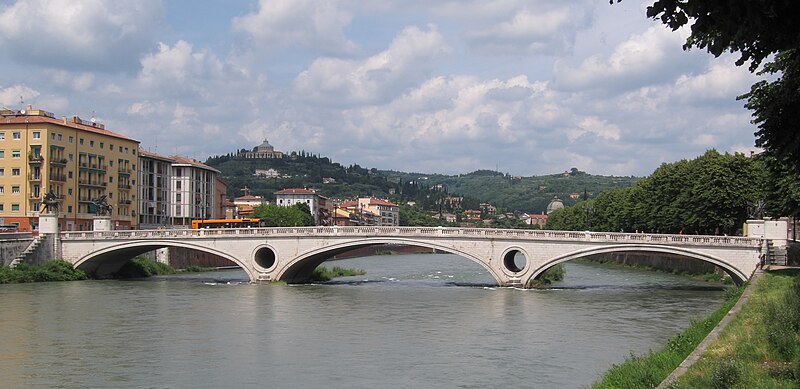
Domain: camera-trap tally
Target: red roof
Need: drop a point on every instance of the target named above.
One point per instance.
(64, 123)
(381, 202)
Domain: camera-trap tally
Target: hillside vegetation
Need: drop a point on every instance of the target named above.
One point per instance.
(508, 193)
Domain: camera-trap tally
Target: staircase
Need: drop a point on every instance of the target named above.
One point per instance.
(37, 241)
(775, 255)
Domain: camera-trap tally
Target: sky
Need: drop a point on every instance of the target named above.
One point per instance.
(525, 87)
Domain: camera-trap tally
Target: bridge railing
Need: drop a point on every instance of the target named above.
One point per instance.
(419, 232)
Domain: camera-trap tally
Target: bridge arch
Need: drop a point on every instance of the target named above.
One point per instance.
(300, 268)
(110, 259)
(737, 276)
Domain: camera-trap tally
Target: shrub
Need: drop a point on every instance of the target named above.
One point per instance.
(726, 373)
(142, 267)
(55, 270)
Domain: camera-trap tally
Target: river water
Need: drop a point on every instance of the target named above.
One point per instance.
(421, 321)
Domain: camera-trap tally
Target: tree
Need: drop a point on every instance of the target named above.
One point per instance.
(757, 30)
(273, 215)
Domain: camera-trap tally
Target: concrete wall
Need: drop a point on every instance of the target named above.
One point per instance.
(12, 245)
(180, 258)
(657, 261)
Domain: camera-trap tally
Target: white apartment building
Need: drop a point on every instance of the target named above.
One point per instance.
(155, 177)
(387, 213)
(316, 203)
(192, 191)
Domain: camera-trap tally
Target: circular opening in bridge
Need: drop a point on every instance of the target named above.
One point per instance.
(514, 261)
(265, 257)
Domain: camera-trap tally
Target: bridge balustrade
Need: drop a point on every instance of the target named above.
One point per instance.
(419, 232)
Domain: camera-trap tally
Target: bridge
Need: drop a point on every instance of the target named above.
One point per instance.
(291, 254)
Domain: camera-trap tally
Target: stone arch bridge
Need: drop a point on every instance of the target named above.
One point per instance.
(291, 254)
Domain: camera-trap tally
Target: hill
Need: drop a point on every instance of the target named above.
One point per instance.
(333, 180)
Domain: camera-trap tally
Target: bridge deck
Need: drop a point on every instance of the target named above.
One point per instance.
(420, 232)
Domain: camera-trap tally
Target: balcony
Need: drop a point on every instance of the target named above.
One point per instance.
(124, 171)
(35, 196)
(124, 186)
(58, 177)
(97, 183)
(35, 159)
(59, 161)
(124, 202)
(34, 177)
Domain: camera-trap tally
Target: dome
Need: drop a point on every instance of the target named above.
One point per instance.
(555, 204)
(264, 147)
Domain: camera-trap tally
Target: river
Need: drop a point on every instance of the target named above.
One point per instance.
(422, 320)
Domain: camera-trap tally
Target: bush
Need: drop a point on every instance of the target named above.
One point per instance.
(322, 274)
(142, 267)
(725, 374)
(55, 270)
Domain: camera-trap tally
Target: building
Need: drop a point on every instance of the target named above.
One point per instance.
(155, 178)
(192, 190)
(263, 151)
(387, 213)
(267, 173)
(472, 215)
(317, 204)
(246, 203)
(554, 205)
(539, 220)
(79, 161)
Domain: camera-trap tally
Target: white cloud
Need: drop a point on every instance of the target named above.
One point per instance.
(13, 96)
(649, 58)
(311, 24)
(595, 126)
(407, 60)
(84, 35)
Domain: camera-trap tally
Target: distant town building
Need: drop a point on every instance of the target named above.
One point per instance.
(555, 204)
(574, 196)
(328, 180)
(267, 173)
(263, 151)
(539, 220)
(449, 217)
(317, 204)
(388, 213)
(247, 202)
(472, 215)
(488, 209)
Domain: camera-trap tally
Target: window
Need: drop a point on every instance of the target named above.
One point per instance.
(2, 172)
(111, 163)
(37, 135)
(71, 139)
(16, 135)
(15, 171)
(2, 153)
(91, 143)
(70, 157)
(1, 207)
(59, 138)
(120, 149)
(177, 185)
(2, 136)
(15, 189)
(69, 209)
(2, 189)
(80, 140)
(126, 150)
(111, 147)
(110, 196)
(14, 207)
(69, 174)
(101, 145)
(15, 154)
(110, 179)
(69, 191)
(53, 136)
(177, 197)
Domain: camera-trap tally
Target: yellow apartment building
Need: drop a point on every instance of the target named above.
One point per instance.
(77, 160)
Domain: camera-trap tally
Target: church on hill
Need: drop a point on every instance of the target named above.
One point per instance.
(262, 151)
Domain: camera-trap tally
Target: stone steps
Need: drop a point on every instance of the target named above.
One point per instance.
(37, 241)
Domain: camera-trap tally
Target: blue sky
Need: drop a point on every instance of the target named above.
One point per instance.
(524, 86)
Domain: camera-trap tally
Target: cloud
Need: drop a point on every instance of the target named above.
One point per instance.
(12, 96)
(316, 25)
(374, 79)
(652, 57)
(96, 35)
(594, 126)
(543, 27)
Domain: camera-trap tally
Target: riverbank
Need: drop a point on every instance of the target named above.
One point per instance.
(698, 271)
(649, 370)
(760, 348)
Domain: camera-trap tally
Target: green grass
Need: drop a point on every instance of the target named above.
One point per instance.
(197, 269)
(760, 348)
(647, 371)
(322, 274)
(55, 270)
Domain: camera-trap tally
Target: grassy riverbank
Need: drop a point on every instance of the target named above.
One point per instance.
(56, 270)
(649, 370)
(760, 348)
(322, 274)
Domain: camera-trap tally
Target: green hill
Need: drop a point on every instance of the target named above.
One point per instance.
(333, 180)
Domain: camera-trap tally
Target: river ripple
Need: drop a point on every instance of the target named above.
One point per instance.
(413, 321)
